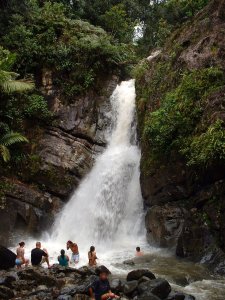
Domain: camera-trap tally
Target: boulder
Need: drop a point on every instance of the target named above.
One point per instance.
(117, 285)
(179, 296)
(7, 280)
(130, 287)
(7, 258)
(87, 271)
(159, 287)
(143, 279)
(39, 275)
(129, 262)
(137, 274)
(150, 296)
(6, 293)
(64, 297)
(81, 287)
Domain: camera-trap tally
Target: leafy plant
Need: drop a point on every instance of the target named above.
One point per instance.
(206, 148)
(173, 124)
(36, 106)
(8, 139)
(8, 80)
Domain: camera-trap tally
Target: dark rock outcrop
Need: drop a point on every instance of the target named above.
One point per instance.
(7, 260)
(165, 224)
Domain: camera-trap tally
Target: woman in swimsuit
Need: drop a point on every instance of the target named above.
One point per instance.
(92, 257)
(20, 259)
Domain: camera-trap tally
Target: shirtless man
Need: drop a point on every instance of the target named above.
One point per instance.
(75, 252)
(139, 252)
(20, 259)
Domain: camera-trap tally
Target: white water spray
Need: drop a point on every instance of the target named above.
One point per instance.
(107, 207)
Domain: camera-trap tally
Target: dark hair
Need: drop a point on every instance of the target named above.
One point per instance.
(69, 242)
(102, 269)
(22, 244)
(138, 249)
(62, 253)
(92, 249)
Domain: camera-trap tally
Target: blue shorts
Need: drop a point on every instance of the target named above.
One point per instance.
(75, 258)
(18, 262)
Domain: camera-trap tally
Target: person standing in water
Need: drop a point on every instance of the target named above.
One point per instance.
(92, 257)
(100, 289)
(20, 259)
(63, 259)
(138, 252)
(75, 252)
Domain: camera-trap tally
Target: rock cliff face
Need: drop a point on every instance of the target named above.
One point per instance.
(186, 205)
(65, 153)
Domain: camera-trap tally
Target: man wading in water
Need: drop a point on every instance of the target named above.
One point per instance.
(75, 252)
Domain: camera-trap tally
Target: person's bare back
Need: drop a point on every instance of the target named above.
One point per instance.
(20, 253)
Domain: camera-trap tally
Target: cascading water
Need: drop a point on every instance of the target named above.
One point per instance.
(107, 207)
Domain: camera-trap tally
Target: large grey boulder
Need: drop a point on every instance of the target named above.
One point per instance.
(159, 287)
(137, 274)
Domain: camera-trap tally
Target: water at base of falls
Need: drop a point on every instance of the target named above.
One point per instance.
(107, 211)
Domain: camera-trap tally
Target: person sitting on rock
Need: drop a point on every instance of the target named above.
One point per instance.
(75, 252)
(100, 289)
(63, 259)
(20, 259)
(138, 252)
(92, 257)
(37, 254)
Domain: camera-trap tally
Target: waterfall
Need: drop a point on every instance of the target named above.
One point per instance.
(107, 208)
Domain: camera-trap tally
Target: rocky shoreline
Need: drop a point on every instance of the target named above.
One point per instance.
(69, 283)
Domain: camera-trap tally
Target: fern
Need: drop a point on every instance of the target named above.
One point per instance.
(9, 139)
(4, 152)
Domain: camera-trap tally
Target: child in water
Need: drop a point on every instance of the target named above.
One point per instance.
(92, 257)
(100, 289)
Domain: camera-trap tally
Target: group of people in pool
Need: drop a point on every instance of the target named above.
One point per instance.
(40, 256)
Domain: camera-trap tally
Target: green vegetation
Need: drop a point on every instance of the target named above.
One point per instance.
(175, 127)
(8, 139)
(9, 84)
(8, 81)
(44, 36)
(208, 147)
